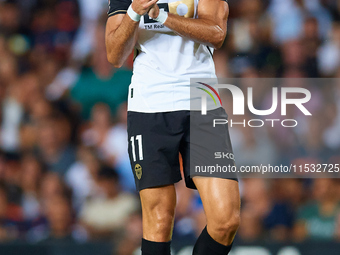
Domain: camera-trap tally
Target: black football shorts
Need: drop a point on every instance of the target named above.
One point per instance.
(156, 139)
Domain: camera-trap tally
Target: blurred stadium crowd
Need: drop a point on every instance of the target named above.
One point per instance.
(64, 170)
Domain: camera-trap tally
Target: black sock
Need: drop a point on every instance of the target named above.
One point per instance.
(155, 248)
(206, 245)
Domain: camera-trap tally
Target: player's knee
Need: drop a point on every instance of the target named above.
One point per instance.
(159, 222)
(231, 225)
(225, 225)
(163, 222)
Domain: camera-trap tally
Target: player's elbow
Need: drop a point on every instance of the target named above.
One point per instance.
(117, 65)
(217, 45)
(218, 37)
(116, 62)
(218, 41)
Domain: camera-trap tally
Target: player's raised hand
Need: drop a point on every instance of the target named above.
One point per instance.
(154, 11)
(142, 6)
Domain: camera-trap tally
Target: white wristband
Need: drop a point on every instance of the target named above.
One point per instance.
(162, 16)
(133, 15)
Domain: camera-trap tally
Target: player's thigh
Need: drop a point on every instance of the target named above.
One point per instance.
(158, 207)
(221, 200)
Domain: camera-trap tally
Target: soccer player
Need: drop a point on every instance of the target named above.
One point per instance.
(173, 42)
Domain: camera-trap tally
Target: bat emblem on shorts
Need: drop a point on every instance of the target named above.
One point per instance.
(138, 170)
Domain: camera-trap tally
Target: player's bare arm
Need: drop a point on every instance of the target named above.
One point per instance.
(210, 28)
(121, 33)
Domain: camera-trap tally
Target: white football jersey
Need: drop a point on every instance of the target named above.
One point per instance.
(165, 61)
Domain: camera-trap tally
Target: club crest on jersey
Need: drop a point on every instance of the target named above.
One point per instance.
(138, 171)
(183, 8)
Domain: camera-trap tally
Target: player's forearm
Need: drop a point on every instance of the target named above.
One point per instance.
(200, 30)
(120, 42)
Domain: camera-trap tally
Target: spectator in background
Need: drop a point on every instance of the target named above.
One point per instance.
(52, 191)
(101, 82)
(130, 240)
(10, 18)
(12, 115)
(82, 177)
(8, 67)
(90, 12)
(58, 211)
(311, 144)
(9, 220)
(2, 166)
(54, 144)
(96, 134)
(329, 53)
(40, 109)
(31, 175)
(311, 42)
(255, 206)
(52, 185)
(322, 15)
(318, 219)
(12, 176)
(103, 217)
(287, 19)
(53, 26)
(294, 192)
(253, 144)
(330, 136)
(293, 59)
(250, 229)
(115, 149)
(278, 221)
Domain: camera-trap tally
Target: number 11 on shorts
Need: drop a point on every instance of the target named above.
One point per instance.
(140, 147)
